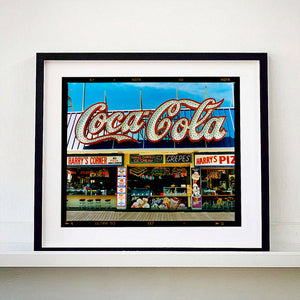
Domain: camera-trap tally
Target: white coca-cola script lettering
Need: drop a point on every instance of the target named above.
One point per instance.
(96, 125)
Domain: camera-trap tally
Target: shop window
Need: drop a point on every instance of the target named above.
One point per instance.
(158, 187)
(91, 181)
(218, 189)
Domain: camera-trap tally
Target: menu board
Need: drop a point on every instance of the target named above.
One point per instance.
(121, 188)
(146, 159)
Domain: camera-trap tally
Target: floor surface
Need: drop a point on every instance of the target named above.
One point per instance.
(148, 216)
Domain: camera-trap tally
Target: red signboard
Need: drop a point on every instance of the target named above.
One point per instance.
(214, 160)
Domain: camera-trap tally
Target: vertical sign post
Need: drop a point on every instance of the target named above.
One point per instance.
(196, 189)
(121, 188)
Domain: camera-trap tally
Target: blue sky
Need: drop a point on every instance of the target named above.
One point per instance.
(126, 95)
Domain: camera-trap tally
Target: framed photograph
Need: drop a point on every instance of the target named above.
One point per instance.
(151, 151)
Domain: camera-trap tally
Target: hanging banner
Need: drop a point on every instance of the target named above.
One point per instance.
(196, 189)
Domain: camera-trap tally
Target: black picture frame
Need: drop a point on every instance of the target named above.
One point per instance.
(40, 69)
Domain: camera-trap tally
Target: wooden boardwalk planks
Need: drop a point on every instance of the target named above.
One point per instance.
(148, 216)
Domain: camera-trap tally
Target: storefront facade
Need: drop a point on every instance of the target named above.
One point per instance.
(152, 160)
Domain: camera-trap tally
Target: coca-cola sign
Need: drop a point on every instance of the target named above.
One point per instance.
(96, 125)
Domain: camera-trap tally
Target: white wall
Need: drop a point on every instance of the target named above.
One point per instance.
(146, 284)
(27, 27)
